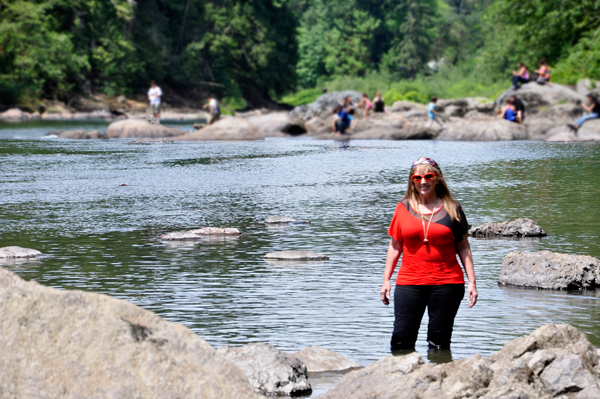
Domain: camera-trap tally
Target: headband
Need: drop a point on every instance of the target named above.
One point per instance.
(426, 160)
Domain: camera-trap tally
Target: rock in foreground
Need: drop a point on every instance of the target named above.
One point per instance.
(196, 234)
(553, 360)
(295, 255)
(284, 220)
(270, 371)
(18, 252)
(73, 344)
(318, 360)
(550, 270)
(522, 227)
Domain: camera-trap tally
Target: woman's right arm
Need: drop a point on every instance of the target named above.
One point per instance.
(393, 254)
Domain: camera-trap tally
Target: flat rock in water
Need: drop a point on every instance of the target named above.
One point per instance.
(76, 134)
(555, 359)
(136, 128)
(318, 360)
(73, 344)
(229, 128)
(270, 371)
(200, 233)
(522, 227)
(284, 220)
(296, 255)
(550, 270)
(18, 252)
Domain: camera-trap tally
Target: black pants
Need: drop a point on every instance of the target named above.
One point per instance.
(519, 79)
(410, 301)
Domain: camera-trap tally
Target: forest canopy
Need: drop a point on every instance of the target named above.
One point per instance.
(254, 51)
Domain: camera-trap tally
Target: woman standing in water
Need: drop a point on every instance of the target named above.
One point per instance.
(429, 229)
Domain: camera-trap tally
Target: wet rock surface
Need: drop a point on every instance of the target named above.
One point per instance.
(554, 360)
(276, 220)
(74, 344)
(522, 227)
(196, 234)
(14, 252)
(269, 370)
(227, 128)
(319, 360)
(550, 270)
(295, 255)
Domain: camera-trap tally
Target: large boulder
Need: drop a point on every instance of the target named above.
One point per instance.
(404, 106)
(324, 105)
(277, 124)
(535, 97)
(550, 270)
(269, 370)
(319, 360)
(14, 114)
(75, 134)
(387, 126)
(74, 344)
(522, 227)
(589, 131)
(552, 361)
(18, 253)
(137, 128)
(489, 129)
(543, 122)
(230, 128)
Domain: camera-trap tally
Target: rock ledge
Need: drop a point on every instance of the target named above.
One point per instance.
(296, 255)
(522, 227)
(18, 253)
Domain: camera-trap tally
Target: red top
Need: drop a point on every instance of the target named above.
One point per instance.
(434, 263)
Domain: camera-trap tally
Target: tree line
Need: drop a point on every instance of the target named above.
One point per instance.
(250, 52)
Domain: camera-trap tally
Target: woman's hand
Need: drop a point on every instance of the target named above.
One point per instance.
(386, 287)
(472, 294)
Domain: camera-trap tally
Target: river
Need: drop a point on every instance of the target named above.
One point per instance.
(96, 207)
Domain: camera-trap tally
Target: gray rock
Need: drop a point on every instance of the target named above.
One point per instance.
(18, 252)
(553, 360)
(277, 124)
(403, 106)
(270, 371)
(75, 134)
(318, 360)
(540, 124)
(535, 96)
(589, 131)
(386, 126)
(522, 227)
(455, 110)
(14, 114)
(490, 129)
(550, 270)
(197, 234)
(324, 105)
(136, 128)
(227, 128)
(284, 220)
(74, 344)
(296, 255)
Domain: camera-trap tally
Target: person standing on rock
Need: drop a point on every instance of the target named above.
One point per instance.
(429, 230)
(432, 115)
(213, 109)
(154, 97)
(593, 109)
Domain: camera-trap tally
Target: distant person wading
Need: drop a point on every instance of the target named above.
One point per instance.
(429, 230)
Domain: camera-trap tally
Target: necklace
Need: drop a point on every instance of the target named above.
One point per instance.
(426, 232)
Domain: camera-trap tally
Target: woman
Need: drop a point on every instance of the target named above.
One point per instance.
(543, 73)
(378, 103)
(520, 76)
(593, 110)
(429, 229)
(366, 104)
(509, 111)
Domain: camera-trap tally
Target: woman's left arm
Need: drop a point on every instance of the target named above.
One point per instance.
(464, 252)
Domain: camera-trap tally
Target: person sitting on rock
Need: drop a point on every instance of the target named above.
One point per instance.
(378, 103)
(432, 115)
(508, 111)
(543, 74)
(336, 118)
(343, 121)
(520, 76)
(519, 109)
(366, 104)
(213, 109)
(593, 109)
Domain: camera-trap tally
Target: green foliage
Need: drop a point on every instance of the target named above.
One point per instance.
(583, 61)
(305, 96)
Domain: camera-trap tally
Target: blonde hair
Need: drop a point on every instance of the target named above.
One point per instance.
(441, 191)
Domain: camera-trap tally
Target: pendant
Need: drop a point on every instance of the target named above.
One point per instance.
(425, 241)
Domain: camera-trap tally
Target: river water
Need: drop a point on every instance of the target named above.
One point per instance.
(66, 199)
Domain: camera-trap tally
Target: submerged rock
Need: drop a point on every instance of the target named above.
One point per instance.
(200, 233)
(75, 134)
(553, 360)
(270, 371)
(522, 227)
(284, 220)
(74, 344)
(136, 128)
(18, 252)
(318, 360)
(296, 255)
(229, 128)
(550, 270)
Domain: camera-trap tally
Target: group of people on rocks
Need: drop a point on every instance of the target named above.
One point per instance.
(343, 114)
(513, 110)
(155, 96)
(522, 75)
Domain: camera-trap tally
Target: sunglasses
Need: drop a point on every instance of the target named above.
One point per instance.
(426, 176)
